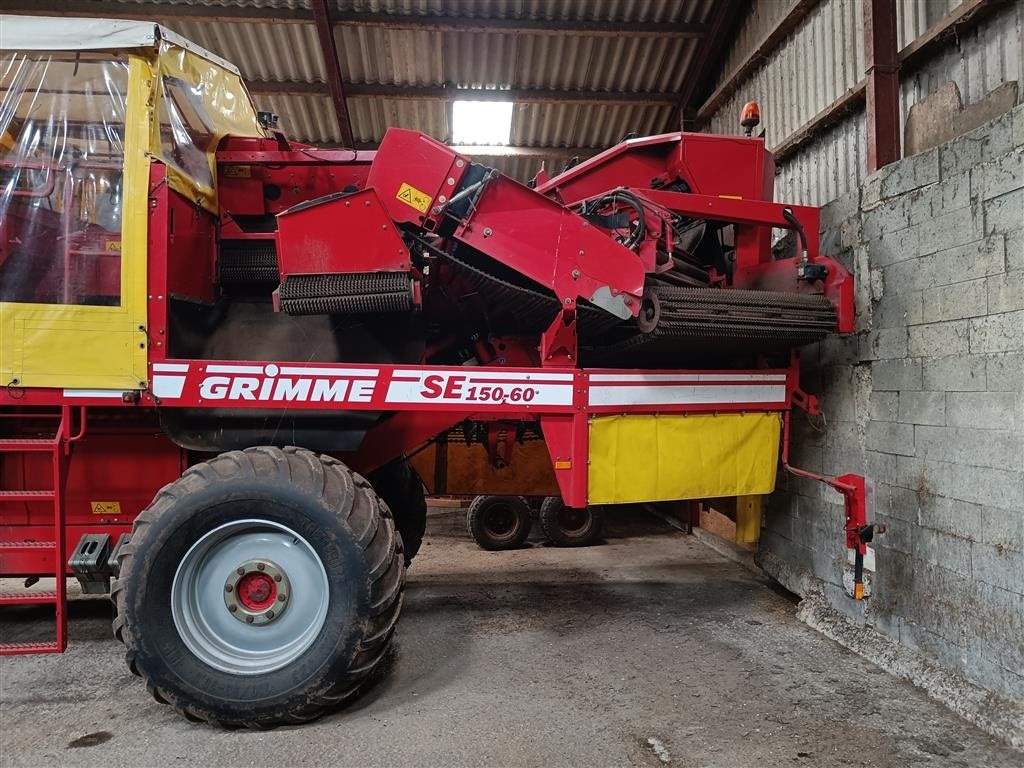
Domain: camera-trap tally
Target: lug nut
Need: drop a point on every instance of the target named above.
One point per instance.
(282, 597)
(248, 619)
(270, 614)
(277, 577)
(228, 588)
(240, 571)
(260, 567)
(232, 608)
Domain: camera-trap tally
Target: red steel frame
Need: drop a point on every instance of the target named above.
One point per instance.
(424, 400)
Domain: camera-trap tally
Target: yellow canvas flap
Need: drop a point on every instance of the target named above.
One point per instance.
(663, 457)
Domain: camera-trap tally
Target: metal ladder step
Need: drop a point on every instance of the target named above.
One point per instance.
(25, 495)
(21, 649)
(14, 551)
(26, 444)
(28, 598)
(28, 544)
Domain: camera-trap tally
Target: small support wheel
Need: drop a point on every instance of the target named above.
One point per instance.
(499, 522)
(568, 526)
(650, 311)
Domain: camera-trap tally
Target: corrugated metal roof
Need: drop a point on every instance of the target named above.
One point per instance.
(824, 57)
(821, 60)
(289, 53)
(283, 52)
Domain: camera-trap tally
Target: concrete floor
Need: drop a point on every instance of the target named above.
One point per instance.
(648, 650)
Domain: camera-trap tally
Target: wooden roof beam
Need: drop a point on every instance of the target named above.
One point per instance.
(428, 22)
(437, 23)
(449, 93)
(550, 153)
(156, 11)
(700, 70)
(332, 66)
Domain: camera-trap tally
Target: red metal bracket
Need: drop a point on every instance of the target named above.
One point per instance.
(558, 342)
(855, 490)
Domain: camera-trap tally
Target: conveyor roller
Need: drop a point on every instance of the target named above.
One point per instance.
(352, 293)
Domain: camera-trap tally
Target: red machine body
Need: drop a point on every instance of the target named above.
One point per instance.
(372, 301)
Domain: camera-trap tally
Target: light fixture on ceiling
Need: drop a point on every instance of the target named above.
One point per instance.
(481, 122)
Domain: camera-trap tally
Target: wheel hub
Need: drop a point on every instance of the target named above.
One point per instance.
(257, 592)
(500, 522)
(573, 520)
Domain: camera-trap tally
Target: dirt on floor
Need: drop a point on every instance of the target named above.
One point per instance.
(648, 649)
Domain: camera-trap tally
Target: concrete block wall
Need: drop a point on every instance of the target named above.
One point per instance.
(927, 399)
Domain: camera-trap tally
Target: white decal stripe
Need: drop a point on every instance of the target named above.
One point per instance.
(171, 367)
(258, 369)
(168, 386)
(687, 395)
(616, 378)
(489, 373)
(360, 373)
(542, 394)
(111, 393)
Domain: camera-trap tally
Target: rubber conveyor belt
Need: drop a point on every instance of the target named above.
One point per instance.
(696, 320)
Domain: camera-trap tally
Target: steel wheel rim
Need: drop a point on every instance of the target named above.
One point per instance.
(501, 522)
(218, 638)
(573, 521)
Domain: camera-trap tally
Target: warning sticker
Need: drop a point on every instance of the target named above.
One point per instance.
(236, 171)
(409, 195)
(111, 508)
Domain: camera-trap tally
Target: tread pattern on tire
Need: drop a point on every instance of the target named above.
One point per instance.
(402, 487)
(340, 489)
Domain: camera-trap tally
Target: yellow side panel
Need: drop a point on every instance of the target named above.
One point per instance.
(673, 456)
(91, 355)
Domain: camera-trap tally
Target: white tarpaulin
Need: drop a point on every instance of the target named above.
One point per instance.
(47, 33)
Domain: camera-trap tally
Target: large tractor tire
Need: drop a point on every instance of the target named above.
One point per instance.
(499, 522)
(260, 588)
(400, 487)
(569, 527)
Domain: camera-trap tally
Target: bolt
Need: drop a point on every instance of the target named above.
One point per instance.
(240, 571)
(282, 597)
(277, 577)
(270, 614)
(575, 274)
(568, 301)
(228, 588)
(260, 567)
(488, 232)
(232, 608)
(248, 619)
